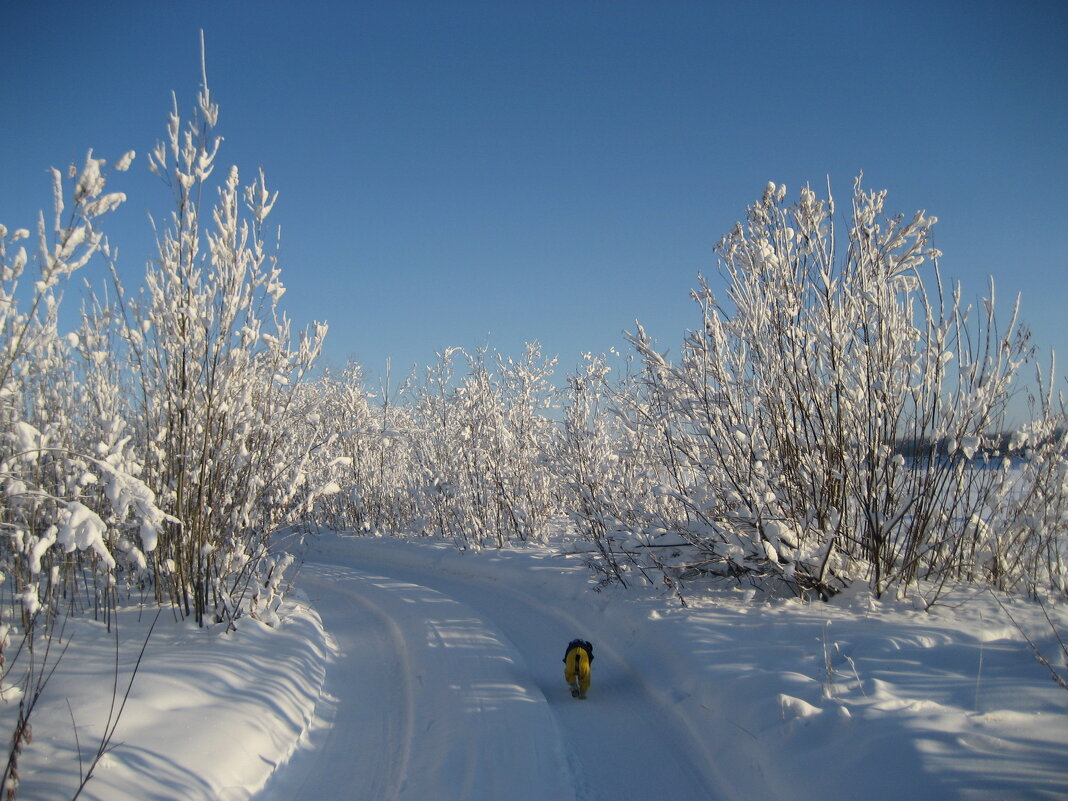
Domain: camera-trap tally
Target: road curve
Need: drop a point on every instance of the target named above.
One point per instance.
(450, 687)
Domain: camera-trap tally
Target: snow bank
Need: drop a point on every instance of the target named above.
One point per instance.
(210, 715)
(855, 699)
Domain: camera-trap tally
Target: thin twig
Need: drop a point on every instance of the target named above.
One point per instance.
(112, 724)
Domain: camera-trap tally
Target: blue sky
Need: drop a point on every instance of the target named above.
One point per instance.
(468, 173)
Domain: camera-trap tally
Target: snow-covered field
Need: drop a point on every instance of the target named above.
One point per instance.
(407, 670)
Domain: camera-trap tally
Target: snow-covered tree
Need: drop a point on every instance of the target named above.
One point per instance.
(217, 373)
(479, 444)
(784, 418)
(370, 439)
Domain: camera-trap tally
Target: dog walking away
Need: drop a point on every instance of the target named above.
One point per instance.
(577, 667)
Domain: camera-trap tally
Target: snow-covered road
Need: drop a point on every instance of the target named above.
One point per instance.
(403, 669)
(448, 687)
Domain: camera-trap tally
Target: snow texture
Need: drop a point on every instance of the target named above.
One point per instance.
(407, 670)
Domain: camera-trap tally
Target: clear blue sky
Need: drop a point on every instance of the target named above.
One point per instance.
(495, 172)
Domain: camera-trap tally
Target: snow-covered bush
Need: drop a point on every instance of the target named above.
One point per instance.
(67, 489)
(64, 476)
(831, 419)
(588, 458)
(1024, 542)
(216, 376)
(162, 442)
(520, 444)
(371, 467)
(464, 457)
(780, 429)
(159, 445)
(479, 448)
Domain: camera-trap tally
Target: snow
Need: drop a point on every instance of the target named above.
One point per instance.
(82, 528)
(27, 440)
(123, 164)
(210, 714)
(408, 670)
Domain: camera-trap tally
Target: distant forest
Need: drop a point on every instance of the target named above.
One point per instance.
(992, 446)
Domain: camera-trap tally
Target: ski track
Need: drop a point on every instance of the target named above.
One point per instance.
(333, 753)
(448, 688)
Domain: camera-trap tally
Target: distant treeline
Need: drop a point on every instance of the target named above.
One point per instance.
(997, 444)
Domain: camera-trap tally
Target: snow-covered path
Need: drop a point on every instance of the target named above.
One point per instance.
(452, 688)
(406, 670)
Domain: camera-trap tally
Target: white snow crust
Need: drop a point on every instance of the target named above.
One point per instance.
(407, 670)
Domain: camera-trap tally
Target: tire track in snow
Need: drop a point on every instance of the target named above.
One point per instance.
(403, 707)
(625, 740)
(629, 739)
(371, 760)
(480, 731)
(447, 701)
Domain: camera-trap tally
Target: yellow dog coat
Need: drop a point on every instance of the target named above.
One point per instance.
(577, 667)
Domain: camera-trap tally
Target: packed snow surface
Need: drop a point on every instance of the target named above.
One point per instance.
(408, 670)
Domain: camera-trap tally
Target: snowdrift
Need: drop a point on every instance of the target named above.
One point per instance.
(732, 697)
